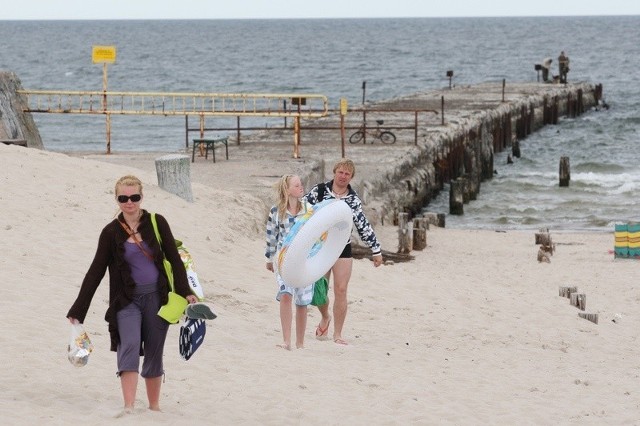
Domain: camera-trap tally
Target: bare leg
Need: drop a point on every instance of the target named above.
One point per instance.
(153, 392)
(129, 384)
(301, 325)
(341, 275)
(286, 316)
(326, 318)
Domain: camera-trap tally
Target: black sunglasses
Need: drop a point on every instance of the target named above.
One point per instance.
(124, 198)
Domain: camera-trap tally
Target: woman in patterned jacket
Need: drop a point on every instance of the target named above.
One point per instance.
(290, 206)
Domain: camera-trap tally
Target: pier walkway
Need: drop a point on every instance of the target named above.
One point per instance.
(403, 176)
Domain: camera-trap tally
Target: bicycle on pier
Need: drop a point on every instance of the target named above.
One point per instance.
(385, 136)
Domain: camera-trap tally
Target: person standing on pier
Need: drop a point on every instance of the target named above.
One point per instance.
(546, 66)
(563, 66)
(339, 188)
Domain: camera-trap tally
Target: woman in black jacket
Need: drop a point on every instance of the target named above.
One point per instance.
(138, 287)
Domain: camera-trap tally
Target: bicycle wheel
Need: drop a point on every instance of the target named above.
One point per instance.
(387, 137)
(356, 137)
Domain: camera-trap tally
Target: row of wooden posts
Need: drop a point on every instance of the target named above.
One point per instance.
(579, 300)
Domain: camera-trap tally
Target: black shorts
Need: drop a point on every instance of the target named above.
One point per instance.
(346, 253)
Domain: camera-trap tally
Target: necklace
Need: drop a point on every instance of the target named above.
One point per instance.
(341, 194)
(133, 229)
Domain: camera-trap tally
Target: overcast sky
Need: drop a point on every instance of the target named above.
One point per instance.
(239, 9)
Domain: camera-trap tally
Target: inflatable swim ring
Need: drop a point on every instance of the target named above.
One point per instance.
(315, 242)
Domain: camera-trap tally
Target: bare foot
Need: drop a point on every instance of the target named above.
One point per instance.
(284, 346)
(155, 408)
(125, 411)
(299, 346)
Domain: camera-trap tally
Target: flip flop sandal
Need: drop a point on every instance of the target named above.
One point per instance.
(323, 333)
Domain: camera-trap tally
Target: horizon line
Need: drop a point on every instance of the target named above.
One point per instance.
(312, 18)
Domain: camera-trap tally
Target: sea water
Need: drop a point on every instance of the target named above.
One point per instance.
(395, 57)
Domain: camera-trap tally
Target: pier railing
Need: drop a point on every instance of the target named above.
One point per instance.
(149, 103)
(302, 105)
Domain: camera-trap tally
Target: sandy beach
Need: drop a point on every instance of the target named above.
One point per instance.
(472, 331)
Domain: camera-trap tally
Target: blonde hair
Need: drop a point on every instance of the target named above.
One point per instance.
(282, 190)
(347, 164)
(128, 180)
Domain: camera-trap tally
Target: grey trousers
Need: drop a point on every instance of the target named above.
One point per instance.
(139, 326)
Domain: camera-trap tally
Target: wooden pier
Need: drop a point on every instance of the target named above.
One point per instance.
(443, 136)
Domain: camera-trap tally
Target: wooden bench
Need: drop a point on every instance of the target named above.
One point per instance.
(209, 144)
(21, 142)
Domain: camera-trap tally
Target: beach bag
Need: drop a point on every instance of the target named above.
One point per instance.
(176, 304)
(79, 346)
(320, 292)
(192, 277)
(191, 337)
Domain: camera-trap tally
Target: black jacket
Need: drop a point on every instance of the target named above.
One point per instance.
(110, 254)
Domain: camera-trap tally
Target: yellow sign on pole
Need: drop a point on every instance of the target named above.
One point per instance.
(103, 54)
(343, 106)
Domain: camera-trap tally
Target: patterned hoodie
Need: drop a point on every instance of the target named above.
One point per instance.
(365, 231)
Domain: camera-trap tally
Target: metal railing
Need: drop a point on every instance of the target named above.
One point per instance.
(302, 105)
(149, 103)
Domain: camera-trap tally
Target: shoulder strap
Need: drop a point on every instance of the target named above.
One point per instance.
(155, 228)
(136, 240)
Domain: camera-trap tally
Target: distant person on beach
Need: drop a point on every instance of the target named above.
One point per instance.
(546, 66)
(563, 66)
(138, 287)
(289, 207)
(339, 188)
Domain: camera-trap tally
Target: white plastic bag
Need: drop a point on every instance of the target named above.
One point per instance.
(80, 346)
(194, 283)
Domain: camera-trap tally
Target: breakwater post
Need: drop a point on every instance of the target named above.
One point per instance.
(565, 174)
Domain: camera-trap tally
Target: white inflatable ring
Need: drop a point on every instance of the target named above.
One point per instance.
(315, 242)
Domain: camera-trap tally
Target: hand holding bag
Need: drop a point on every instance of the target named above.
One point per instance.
(80, 346)
(174, 309)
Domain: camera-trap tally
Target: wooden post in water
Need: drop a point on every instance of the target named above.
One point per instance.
(466, 189)
(515, 149)
(565, 174)
(442, 110)
(456, 203)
